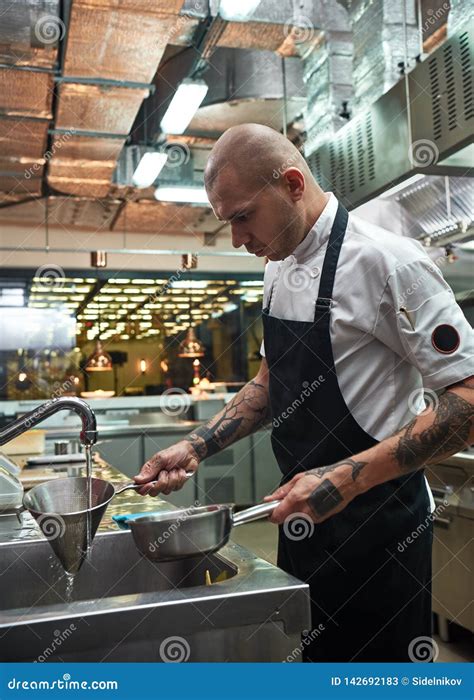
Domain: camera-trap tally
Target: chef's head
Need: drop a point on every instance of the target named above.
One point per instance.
(259, 182)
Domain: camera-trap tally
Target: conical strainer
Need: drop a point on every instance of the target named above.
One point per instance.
(60, 509)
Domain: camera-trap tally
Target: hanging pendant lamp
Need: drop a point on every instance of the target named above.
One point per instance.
(191, 346)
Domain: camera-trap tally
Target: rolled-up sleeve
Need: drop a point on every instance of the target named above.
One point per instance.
(418, 318)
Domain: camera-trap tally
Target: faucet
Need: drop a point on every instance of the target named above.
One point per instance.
(64, 403)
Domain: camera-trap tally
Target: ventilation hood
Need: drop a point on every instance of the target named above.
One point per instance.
(421, 126)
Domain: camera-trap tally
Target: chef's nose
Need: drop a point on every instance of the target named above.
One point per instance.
(239, 237)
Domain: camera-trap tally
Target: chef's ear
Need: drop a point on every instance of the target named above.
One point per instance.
(293, 180)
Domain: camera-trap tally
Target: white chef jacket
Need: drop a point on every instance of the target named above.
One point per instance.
(383, 356)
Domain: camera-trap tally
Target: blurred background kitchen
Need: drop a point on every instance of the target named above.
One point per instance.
(117, 283)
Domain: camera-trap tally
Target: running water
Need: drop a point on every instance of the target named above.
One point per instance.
(88, 455)
(69, 586)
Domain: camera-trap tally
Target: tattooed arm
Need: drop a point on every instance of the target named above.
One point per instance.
(435, 434)
(244, 414)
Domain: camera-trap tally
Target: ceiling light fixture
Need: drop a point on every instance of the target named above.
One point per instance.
(189, 195)
(241, 10)
(191, 346)
(184, 105)
(148, 169)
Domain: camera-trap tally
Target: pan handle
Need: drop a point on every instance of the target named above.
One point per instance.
(133, 485)
(254, 513)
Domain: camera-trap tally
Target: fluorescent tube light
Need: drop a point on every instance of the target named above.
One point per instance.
(148, 169)
(237, 9)
(191, 195)
(401, 186)
(184, 105)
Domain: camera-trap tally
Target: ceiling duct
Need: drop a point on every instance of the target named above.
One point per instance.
(30, 31)
(247, 86)
(112, 54)
(421, 125)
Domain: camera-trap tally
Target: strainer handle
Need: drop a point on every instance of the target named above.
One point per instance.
(133, 485)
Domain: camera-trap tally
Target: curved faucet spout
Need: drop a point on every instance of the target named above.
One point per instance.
(45, 410)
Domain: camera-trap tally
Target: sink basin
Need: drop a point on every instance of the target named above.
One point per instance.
(33, 577)
(122, 607)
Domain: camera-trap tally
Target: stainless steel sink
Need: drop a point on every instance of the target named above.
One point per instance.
(124, 608)
(32, 576)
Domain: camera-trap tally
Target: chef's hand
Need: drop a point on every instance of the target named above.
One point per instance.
(167, 469)
(317, 494)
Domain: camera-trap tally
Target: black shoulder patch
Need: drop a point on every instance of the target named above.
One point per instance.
(445, 339)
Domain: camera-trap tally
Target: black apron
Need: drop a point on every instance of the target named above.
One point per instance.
(370, 590)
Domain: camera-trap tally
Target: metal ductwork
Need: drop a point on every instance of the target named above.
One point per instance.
(249, 86)
(415, 128)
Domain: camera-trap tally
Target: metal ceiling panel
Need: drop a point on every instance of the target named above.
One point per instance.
(24, 93)
(82, 188)
(14, 54)
(22, 138)
(156, 217)
(20, 185)
(116, 43)
(91, 214)
(81, 169)
(254, 35)
(144, 6)
(77, 147)
(98, 108)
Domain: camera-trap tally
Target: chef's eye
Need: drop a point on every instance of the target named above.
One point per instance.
(240, 218)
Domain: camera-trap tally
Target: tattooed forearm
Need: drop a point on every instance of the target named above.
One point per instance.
(447, 434)
(356, 468)
(325, 498)
(244, 414)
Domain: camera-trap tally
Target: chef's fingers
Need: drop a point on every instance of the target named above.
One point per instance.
(282, 511)
(173, 481)
(284, 490)
(161, 483)
(181, 479)
(150, 469)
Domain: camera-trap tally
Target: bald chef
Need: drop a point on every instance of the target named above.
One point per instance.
(356, 322)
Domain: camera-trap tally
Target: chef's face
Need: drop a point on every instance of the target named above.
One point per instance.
(265, 219)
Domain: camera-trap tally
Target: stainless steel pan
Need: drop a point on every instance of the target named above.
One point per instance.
(191, 532)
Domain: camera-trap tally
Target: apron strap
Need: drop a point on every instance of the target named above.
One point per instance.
(336, 237)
